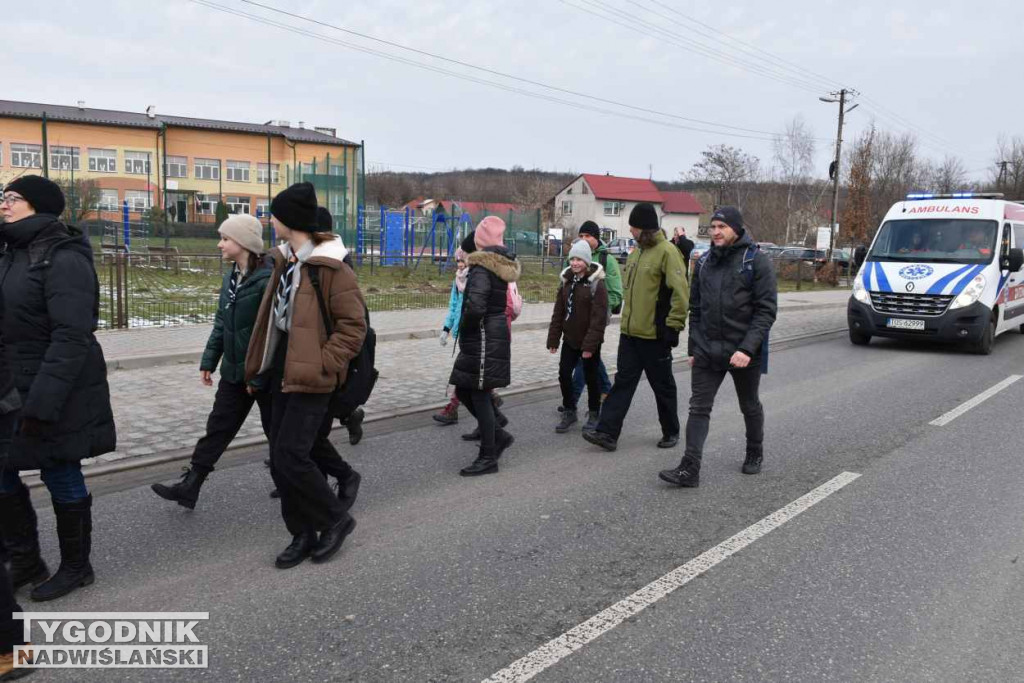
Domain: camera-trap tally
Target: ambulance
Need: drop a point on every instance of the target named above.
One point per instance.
(943, 267)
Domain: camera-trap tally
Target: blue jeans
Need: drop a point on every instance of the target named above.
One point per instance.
(65, 482)
(579, 381)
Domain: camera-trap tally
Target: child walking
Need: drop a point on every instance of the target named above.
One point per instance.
(449, 415)
(579, 320)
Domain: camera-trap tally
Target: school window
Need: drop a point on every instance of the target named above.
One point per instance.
(262, 208)
(306, 168)
(206, 203)
(138, 200)
(64, 158)
(26, 156)
(102, 160)
(337, 169)
(566, 208)
(207, 169)
(611, 208)
(238, 171)
(177, 167)
(109, 200)
(275, 173)
(237, 204)
(136, 163)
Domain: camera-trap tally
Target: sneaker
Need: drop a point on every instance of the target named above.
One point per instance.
(687, 475)
(605, 441)
(752, 463)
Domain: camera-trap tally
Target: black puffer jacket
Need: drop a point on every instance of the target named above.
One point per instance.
(232, 328)
(485, 345)
(51, 307)
(731, 310)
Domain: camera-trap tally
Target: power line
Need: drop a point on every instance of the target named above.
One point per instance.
(502, 74)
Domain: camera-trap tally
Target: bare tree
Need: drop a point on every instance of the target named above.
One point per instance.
(857, 221)
(896, 170)
(726, 168)
(1008, 173)
(949, 176)
(794, 153)
(82, 198)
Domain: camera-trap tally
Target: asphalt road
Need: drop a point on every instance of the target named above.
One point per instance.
(911, 572)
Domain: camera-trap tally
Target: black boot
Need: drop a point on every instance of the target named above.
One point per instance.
(592, 418)
(568, 420)
(355, 426)
(74, 533)
(186, 491)
(687, 474)
(502, 440)
(348, 489)
(485, 463)
(472, 436)
(331, 539)
(500, 419)
(297, 551)
(21, 539)
(752, 463)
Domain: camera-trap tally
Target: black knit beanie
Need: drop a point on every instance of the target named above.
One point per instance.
(731, 216)
(324, 220)
(43, 194)
(296, 207)
(644, 216)
(469, 244)
(590, 228)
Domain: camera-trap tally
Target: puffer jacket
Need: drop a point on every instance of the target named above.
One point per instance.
(485, 345)
(584, 328)
(315, 363)
(51, 309)
(232, 328)
(729, 310)
(655, 292)
(454, 317)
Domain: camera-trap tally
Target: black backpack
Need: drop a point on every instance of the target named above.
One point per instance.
(362, 376)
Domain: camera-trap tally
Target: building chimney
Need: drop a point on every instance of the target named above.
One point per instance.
(284, 124)
(81, 105)
(151, 111)
(333, 132)
(302, 124)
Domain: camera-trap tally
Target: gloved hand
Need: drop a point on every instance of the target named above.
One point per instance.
(671, 337)
(444, 337)
(30, 426)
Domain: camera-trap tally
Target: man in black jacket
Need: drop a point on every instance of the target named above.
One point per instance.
(684, 245)
(732, 309)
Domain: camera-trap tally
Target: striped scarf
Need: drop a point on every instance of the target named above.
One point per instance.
(284, 293)
(236, 276)
(576, 279)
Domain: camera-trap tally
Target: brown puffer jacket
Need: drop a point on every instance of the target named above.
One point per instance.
(584, 330)
(315, 364)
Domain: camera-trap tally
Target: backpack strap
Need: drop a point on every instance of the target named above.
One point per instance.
(314, 279)
(602, 258)
(747, 267)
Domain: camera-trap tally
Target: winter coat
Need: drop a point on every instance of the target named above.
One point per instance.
(51, 308)
(451, 322)
(315, 363)
(655, 292)
(584, 330)
(232, 328)
(612, 274)
(485, 345)
(685, 246)
(729, 310)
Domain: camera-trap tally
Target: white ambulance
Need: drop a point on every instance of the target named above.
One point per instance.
(943, 267)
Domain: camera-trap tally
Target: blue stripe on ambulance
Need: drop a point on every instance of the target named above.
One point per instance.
(941, 283)
(971, 274)
(883, 282)
(867, 275)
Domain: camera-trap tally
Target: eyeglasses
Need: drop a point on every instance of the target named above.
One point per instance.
(11, 199)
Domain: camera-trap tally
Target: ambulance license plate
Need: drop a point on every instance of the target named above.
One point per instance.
(905, 324)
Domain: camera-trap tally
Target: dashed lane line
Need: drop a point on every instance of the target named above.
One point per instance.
(974, 402)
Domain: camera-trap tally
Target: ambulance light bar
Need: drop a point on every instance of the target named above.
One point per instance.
(955, 195)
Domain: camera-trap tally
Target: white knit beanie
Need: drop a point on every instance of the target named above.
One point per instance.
(581, 250)
(244, 229)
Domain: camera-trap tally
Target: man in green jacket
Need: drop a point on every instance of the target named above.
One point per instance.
(655, 301)
(590, 233)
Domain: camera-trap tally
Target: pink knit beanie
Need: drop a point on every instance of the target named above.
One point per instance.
(490, 233)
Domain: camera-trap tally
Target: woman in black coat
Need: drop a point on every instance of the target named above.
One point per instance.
(485, 345)
(51, 304)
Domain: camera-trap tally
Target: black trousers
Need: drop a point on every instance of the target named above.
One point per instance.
(650, 357)
(705, 384)
(231, 407)
(11, 631)
(326, 457)
(479, 404)
(591, 372)
(308, 503)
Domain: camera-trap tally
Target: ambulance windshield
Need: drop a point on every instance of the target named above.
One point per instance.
(935, 240)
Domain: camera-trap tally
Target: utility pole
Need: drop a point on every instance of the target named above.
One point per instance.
(1002, 174)
(842, 97)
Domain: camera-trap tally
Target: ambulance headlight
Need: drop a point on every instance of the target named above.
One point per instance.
(970, 294)
(860, 293)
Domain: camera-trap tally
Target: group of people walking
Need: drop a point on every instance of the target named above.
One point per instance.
(290, 321)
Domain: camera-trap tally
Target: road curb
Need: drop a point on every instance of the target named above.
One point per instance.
(127, 464)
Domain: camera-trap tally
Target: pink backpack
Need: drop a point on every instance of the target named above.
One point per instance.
(513, 302)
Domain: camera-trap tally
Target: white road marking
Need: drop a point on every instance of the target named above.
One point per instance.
(977, 400)
(564, 645)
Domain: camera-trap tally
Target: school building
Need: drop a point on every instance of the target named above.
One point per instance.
(184, 166)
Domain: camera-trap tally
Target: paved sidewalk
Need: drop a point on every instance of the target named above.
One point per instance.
(163, 409)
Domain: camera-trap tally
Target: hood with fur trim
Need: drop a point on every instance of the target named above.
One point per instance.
(508, 269)
(595, 274)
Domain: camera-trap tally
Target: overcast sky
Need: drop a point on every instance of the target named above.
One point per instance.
(951, 74)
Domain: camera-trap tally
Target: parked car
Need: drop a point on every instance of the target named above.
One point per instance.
(619, 248)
